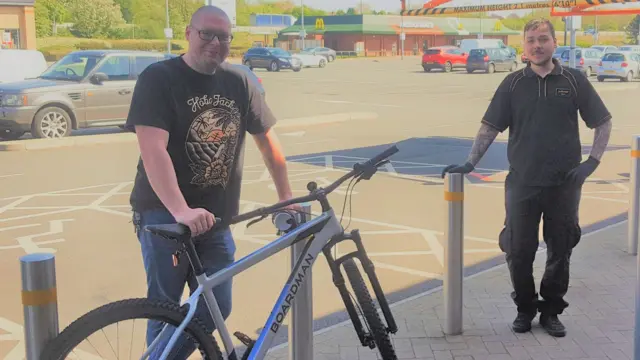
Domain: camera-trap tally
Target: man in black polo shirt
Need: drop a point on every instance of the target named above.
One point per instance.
(540, 105)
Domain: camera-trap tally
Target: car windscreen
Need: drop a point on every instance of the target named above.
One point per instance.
(278, 52)
(565, 54)
(477, 53)
(73, 67)
(613, 57)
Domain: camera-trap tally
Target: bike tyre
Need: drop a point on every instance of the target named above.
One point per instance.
(371, 315)
(168, 312)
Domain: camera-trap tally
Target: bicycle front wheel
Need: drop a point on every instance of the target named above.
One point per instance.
(371, 316)
(94, 325)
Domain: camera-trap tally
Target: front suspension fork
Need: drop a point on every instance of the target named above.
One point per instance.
(369, 268)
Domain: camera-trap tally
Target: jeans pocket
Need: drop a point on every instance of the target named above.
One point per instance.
(504, 239)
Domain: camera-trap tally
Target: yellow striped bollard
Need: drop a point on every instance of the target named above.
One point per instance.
(634, 202)
(453, 253)
(39, 301)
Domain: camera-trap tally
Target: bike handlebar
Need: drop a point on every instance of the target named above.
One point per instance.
(358, 169)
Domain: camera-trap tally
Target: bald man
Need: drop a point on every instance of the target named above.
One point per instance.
(191, 114)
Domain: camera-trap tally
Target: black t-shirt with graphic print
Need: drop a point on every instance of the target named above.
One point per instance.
(207, 117)
(542, 117)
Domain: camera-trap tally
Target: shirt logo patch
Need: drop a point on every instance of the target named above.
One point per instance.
(563, 92)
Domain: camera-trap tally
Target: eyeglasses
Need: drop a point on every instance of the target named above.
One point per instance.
(209, 35)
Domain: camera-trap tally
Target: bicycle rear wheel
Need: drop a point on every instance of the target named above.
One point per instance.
(97, 320)
(372, 318)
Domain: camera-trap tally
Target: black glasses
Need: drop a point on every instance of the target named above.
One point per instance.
(209, 35)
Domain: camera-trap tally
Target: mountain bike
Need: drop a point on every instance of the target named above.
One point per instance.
(321, 234)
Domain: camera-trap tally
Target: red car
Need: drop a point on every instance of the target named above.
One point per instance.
(444, 58)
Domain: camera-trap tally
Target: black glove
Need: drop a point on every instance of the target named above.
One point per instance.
(580, 173)
(458, 169)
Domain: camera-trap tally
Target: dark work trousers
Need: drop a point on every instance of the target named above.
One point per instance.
(558, 208)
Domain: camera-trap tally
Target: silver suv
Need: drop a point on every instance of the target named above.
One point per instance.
(91, 88)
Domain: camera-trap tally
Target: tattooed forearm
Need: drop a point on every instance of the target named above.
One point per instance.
(483, 140)
(601, 140)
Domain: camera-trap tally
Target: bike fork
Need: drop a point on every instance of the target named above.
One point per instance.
(369, 268)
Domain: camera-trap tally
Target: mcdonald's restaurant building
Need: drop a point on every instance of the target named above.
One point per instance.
(17, 24)
(380, 35)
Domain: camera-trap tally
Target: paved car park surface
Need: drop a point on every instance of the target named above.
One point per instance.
(74, 200)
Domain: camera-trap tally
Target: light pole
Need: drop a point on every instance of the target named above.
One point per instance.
(167, 31)
(303, 33)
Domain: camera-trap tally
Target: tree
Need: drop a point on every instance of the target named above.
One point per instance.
(633, 30)
(95, 18)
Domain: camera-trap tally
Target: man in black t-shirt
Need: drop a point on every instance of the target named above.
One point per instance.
(540, 105)
(191, 115)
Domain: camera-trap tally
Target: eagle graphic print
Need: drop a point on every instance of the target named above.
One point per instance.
(212, 140)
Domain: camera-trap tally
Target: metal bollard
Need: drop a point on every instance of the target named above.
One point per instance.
(39, 300)
(301, 329)
(634, 204)
(453, 254)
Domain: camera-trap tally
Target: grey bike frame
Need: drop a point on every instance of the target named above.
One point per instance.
(330, 228)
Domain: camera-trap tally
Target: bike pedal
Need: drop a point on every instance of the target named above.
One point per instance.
(246, 340)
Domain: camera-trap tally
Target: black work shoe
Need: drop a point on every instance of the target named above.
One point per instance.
(522, 323)
(552, 325)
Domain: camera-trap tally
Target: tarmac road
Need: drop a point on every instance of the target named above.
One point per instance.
(74, 201)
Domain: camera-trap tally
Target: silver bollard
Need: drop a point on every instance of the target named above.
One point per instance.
(453, 254)
(39, 300)
(634, 203)
(301, 329)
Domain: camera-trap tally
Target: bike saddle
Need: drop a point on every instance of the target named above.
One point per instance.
(169, 231)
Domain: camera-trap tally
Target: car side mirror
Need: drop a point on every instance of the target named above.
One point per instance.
(99, 78)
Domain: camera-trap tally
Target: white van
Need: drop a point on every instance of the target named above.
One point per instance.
(18, 65)
(467, 45)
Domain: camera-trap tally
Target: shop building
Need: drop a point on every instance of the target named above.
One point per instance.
(17, 24)
(380, 35)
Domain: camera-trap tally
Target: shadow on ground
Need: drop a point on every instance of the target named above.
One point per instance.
(425, 158)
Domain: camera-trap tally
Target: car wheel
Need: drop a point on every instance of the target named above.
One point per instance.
(426, 69)
(322, 63)
(588, 71)
(491, 69)
(274, 66)
(331, 58)
(297, 69)
(629, 77)
(50, 123)
(247, 63)
(469, 71)
(448, 67)
(12, 135)
(600, 79)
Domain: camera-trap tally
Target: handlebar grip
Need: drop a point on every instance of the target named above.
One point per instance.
(383, 155)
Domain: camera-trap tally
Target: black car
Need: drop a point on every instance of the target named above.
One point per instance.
(272, 59)
(491, 59)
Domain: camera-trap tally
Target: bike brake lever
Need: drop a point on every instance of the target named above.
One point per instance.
(257, 220)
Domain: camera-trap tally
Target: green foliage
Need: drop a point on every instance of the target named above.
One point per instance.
(95, 18)
(43, 22)
(632, 30)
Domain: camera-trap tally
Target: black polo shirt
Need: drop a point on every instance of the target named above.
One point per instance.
(541, 114)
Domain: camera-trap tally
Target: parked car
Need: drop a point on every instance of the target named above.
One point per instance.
(490, 60)
(309, 59)
(443, 57)
(587, 60)
(91, 88)
(631, 48)
(272, 59)
(605, 48)
(619, 65)
(17, 65)
(559, 50)
(329, 54)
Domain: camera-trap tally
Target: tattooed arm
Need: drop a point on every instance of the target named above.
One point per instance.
(601, 140)
(483, 140)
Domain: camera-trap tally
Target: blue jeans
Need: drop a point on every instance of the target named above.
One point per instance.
(166, 282)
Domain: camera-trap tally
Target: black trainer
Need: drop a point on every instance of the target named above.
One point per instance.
(522, 323)
(552, 325)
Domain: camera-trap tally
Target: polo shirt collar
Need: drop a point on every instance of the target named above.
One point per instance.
(557, 69)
